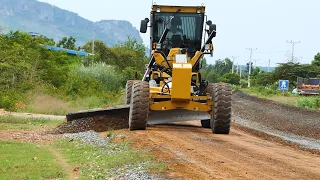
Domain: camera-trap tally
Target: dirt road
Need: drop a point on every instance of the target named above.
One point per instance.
(195, 153)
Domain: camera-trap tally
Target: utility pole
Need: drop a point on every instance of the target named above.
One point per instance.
(93, 41)
(269, 66)
(237, 68)
(233, 57)
(240, 70)
(293, 44)
(250, 49)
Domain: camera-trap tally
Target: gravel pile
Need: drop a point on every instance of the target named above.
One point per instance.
(98, 124)
(133, 172)
(286, 118)
(89, 137)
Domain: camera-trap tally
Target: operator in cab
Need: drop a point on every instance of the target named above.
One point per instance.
(174, 30)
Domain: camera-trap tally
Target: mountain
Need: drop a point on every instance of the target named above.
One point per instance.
(56, 23)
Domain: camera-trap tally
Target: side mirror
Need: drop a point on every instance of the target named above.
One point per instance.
(213, 28)
(144, 25)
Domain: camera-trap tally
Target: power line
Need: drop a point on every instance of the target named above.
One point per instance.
(293, 44)
(250, 49)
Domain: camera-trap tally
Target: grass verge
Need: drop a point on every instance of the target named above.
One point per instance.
(312, 102)
(101, 162)
(20, 123)
(28, 161)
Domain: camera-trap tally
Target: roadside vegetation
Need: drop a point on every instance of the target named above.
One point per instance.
(34, 79)
(265, 84)
(62, 158)
(21, 123)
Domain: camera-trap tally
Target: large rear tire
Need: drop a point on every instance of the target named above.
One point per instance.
(129, 85)
(139, 106)
(221, 119)
(205, 123)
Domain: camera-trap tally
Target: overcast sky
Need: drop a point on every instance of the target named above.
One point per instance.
(265, 24)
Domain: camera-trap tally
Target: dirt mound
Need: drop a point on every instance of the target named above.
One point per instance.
(98, 124)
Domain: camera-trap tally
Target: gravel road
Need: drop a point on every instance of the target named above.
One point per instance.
(290, 123)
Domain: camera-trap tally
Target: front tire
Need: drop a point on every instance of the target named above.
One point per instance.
(129, 85)
(139, 106)
(221, 119)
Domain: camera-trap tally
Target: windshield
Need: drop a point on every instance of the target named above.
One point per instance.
(187, 25)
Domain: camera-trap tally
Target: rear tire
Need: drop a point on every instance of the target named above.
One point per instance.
(129, 85)
(139, 106)
(221, 119)
(205, 123)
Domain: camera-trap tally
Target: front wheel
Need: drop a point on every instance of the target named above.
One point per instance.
(139, 106)
(221, 119)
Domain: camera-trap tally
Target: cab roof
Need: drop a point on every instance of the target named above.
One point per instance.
(184, 9)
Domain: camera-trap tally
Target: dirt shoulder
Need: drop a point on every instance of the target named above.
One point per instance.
(195, 153)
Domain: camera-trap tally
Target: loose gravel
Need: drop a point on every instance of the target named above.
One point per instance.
(290, 120)
(133, 172)
(98, 124)
(89, 137)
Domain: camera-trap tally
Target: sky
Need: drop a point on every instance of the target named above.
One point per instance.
(264, 25)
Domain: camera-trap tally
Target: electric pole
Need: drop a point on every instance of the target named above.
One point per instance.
(269, 66)
(233, 57)
(293, 44)
(250, 49)
(237, 68)
(93, 41)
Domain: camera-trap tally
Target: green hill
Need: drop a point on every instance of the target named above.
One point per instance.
(53, 22)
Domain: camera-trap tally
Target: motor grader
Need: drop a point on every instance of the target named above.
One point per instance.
(172, 88)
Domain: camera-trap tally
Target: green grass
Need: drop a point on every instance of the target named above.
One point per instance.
(94, 161)
(28, 161)
(20, 123)
(312, 102)
(309, 102)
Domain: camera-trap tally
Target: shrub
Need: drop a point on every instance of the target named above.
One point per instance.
(105, 74)
(309, 102)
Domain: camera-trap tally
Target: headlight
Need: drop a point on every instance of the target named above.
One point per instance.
(158, 46)
(207, 47)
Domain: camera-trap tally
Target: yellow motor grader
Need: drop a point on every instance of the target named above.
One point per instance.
(172, 88)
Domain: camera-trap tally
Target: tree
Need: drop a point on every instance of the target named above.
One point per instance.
(316, 61)
(68, 43)
(231, 78)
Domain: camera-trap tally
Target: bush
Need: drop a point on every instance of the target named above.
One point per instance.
(309, 102)
(105, 74)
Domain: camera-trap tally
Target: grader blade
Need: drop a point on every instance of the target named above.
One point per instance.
(120, 111)
(162, 117)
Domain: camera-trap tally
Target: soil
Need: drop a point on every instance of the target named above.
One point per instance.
(192, 152)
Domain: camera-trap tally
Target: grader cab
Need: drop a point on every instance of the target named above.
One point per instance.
(172, 88)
